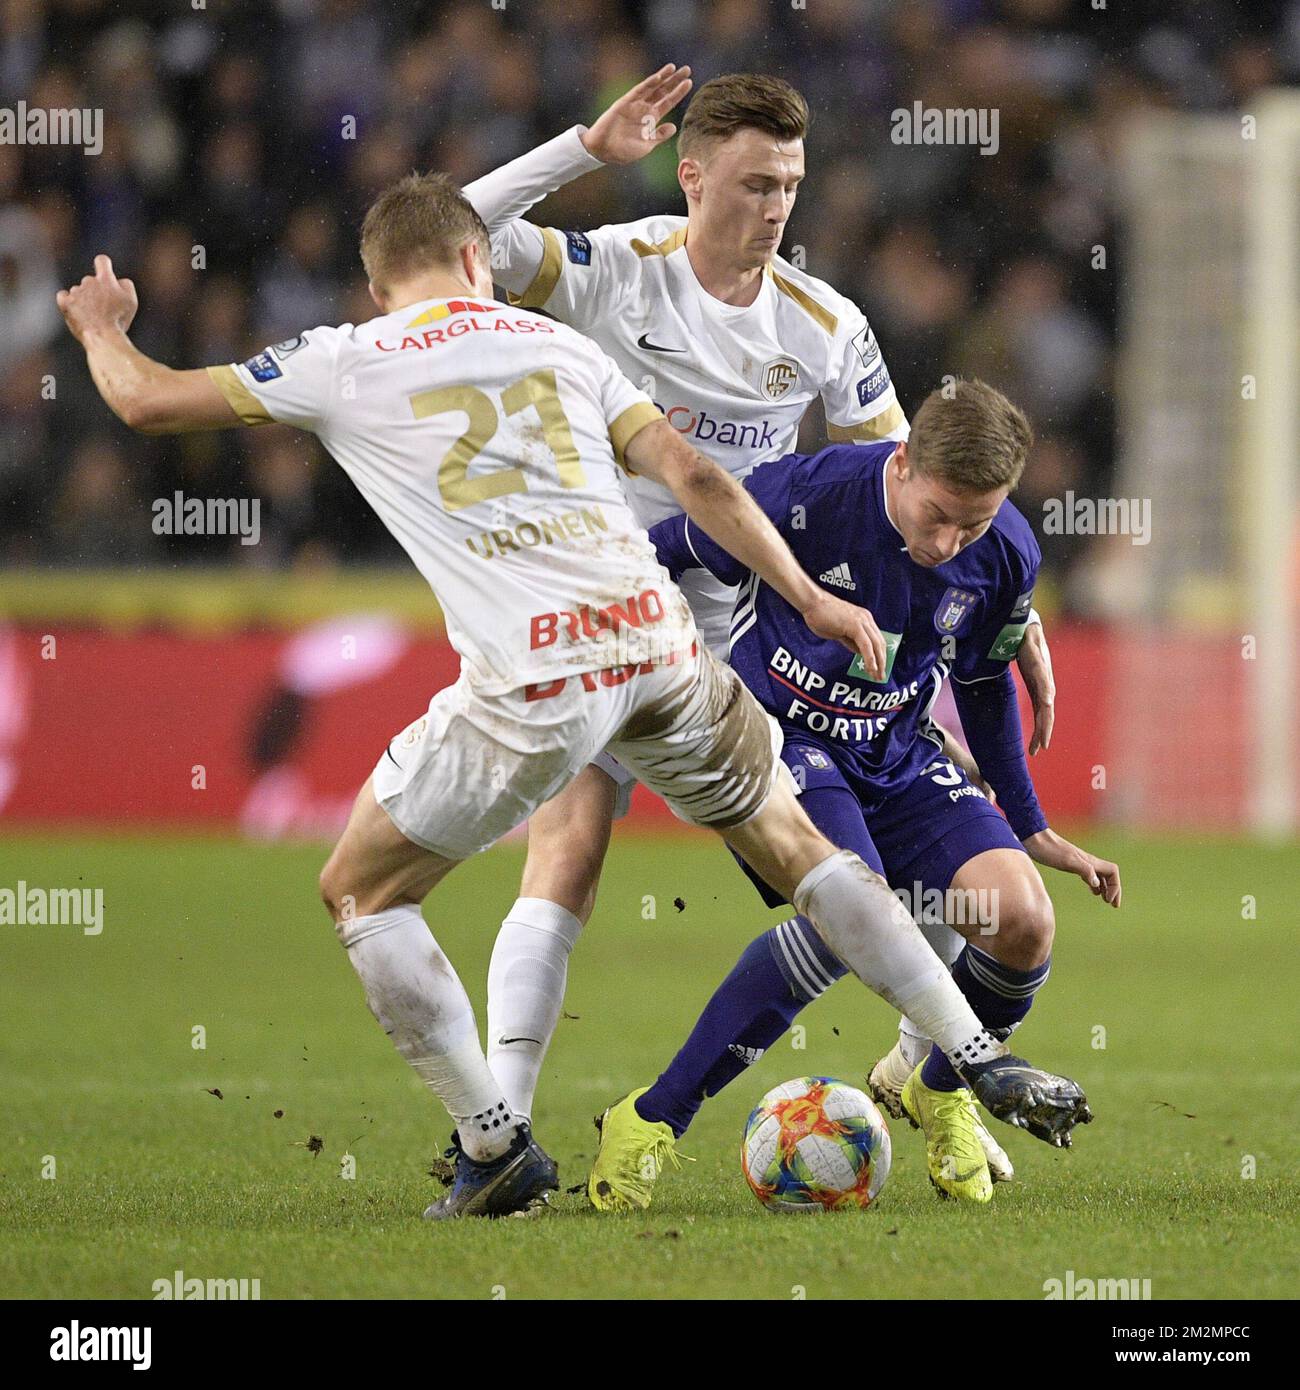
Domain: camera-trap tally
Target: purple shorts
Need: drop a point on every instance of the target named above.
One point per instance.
(920, 835)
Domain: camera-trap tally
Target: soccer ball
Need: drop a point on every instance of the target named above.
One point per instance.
(815, 1143)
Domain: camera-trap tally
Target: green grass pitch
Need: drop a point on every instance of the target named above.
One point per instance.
(1185, 1178)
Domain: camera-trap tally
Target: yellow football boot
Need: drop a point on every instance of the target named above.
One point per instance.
(953, 1151)
(630, 1158)
(886, 1082)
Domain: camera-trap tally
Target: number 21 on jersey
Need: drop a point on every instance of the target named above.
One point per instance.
(537, 389)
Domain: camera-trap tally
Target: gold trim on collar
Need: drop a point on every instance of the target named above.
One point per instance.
(662, 248)
(806, 302)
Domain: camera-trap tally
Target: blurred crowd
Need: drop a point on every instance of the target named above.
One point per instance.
(231, 184)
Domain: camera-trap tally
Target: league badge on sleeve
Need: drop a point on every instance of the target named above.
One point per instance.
(579, 248)
(263, 367)
(289, 346)
(954, 608)
(1023, 604)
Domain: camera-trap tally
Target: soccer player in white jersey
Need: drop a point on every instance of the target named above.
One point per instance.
(733, 343)
(489, 439)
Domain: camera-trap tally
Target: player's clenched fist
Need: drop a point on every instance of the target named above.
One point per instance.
(829, 616)
(101, 300)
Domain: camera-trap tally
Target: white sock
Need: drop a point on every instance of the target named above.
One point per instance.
(862, 921)
(530, 963)
(947, 945)
(913, 1045)
(416, 995)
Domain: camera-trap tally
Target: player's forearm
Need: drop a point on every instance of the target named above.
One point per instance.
(1047, 848)
(128, 380)
(508, 192)
(502, 197)
(718, 504)
(990, 716)
(151, 397)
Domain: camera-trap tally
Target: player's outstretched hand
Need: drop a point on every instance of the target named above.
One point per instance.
(101, 300)
(1056, 852)
(829, 616)
(1035, 662)
(634, 124)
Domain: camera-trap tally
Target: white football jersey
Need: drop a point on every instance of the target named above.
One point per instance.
(734, 381)
(489, 440)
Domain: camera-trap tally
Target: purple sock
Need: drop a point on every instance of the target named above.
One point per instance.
(1000, 996)
(778, 974)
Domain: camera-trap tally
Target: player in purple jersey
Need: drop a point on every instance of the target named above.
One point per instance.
(921, 534)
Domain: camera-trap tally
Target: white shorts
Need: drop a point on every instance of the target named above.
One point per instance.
(475, 765)
(712, 603)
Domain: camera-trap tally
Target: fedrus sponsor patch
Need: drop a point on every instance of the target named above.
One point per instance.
(872, 387)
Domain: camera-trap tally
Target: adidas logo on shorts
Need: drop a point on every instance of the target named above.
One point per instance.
(748, 1055)
(839, 576)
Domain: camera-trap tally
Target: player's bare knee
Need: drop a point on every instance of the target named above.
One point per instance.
(343, 894)
(1025, 926)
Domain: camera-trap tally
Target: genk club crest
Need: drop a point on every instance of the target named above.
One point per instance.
(953, 610)
(779, 375)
